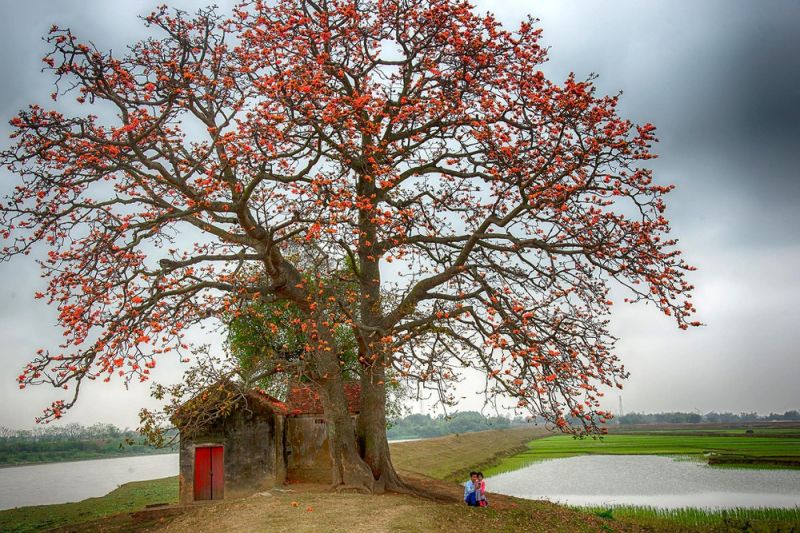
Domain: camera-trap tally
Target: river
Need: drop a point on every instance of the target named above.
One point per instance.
(648, 480)
(77, 480)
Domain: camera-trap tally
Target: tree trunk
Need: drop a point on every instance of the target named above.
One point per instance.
(372, 417)
(348, 470)
(374, 445)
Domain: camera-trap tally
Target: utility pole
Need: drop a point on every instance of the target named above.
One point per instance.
(621, 412)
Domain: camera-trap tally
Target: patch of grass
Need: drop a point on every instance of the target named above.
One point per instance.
(126, 498)
(692, 446)
(669, 445)
(729, 519)
(755, 466)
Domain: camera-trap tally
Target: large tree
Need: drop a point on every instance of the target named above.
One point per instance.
(411, 132)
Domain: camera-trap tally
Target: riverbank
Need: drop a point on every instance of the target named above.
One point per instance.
(164, 451)
(127, 498)
(451, 457)
(64, 482)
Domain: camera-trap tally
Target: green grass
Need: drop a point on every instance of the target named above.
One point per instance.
(756, 466)
(452, 457)
(729, 519)
(126, 498)
(631, 444)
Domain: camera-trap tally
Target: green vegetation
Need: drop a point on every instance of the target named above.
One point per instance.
(423, 426)
(708, 418)
(70, 442)
(267, 342)
(453, 456)
(129, 497)
(740, 448)
(704, 430)
(737, 519)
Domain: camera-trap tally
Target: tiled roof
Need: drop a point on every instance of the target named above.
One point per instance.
(268, 401)
(304, 399)
(228, 395)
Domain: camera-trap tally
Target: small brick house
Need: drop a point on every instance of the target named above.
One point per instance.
(257, 443)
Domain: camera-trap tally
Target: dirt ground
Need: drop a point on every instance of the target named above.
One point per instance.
(306, 508)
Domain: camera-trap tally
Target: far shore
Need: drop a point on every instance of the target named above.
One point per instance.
(82, 459)
(160, 452)
(126, 455)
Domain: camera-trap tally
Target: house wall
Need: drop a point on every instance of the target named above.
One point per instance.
(307, 451)
(253, 454)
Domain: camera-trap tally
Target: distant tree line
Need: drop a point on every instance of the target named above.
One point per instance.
(708, 418)
(69, 442)
(73, 431)
(421, 426)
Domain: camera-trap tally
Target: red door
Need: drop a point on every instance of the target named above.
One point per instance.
(209, 474)
(217, 473)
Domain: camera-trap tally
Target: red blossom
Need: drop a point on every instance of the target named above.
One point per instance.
(361, 133)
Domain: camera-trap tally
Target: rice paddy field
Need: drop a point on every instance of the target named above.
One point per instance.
(737, 447)
(703, 519)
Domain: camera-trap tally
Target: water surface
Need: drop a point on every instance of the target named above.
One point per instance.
(78, 480)
(651, 480)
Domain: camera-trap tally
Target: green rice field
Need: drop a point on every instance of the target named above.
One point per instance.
(741, 448)
(702, 519)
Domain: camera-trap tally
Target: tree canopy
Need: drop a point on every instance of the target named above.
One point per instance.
(483, 209)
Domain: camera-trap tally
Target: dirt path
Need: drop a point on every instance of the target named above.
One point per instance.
(313, 509)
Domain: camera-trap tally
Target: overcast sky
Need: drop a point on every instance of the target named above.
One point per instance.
(720, 80)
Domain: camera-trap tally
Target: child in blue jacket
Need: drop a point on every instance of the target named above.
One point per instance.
(471, 490)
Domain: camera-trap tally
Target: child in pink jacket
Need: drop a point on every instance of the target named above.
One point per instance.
(480, 488)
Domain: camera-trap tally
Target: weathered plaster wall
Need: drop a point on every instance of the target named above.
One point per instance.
(253, 454)
(307, 453)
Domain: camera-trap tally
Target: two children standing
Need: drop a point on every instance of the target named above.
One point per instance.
(475, 490)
